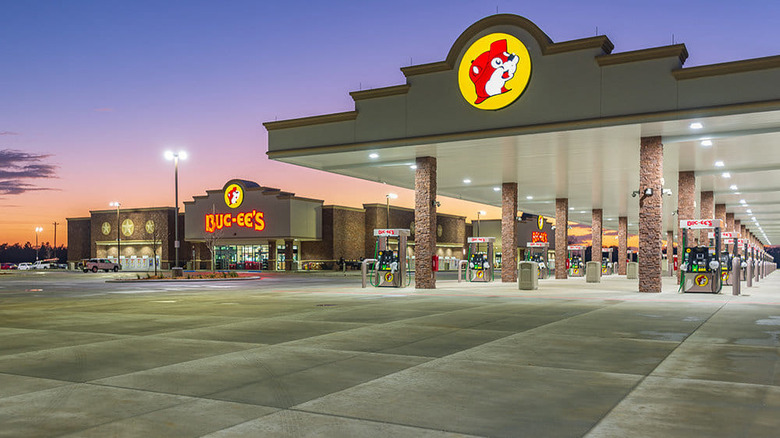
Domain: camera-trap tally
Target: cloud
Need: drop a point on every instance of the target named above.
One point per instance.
(18, 166)
(8, 133)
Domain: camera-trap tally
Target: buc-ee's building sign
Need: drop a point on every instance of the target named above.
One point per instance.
(494, 71)
(234, 198)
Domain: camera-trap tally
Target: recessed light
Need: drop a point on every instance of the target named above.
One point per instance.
(749, 211)
(373, 155)
(529, 197)
(742, 201)
(466, 181)
(719, 164)
(413, 167)
(583, 211)
(725, 175)
(733, 187)
(737, 193)
(706, 143)
(571, 208)
(696, 125)
(496, 189)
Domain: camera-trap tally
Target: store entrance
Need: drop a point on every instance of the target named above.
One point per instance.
(241, 257)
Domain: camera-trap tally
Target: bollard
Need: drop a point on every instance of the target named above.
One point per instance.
(735, 270)
(461, 263)
(757, 271)
(749, 273)
(364, 270)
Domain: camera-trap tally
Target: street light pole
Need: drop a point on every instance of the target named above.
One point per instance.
(388, 197)
(175, 157)
(118, 239)
(37, 230)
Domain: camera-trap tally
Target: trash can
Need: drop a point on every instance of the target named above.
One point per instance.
(632, 271)
(528, 276)
(593, 272)
(177, 272)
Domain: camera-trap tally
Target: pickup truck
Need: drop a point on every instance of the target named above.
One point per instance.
(95, 265)
(43, 264)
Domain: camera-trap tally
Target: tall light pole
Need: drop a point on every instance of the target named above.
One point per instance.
(175, 157)
(389, 196)
(479, 213)
(118, 225)
(37, 230)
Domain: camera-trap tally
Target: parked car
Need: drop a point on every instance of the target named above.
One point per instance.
(5, 266)
(95, 265)
(24, 266)
(42, 264)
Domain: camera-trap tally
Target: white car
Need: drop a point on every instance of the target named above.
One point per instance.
(24, 266)
(42, 264)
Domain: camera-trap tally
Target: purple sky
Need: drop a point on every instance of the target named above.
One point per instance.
(93, 92)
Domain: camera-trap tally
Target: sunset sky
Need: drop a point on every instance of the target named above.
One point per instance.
(93, 92)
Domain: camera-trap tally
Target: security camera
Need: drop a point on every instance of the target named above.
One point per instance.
(648, 192)
(668, 192)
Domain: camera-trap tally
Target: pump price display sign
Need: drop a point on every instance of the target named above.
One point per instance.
(390, 232)
(575, 247)
(723, 235)
(537, 244)
(698, 224)
(480, 239)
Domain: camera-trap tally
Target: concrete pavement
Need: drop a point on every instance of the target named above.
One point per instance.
(299, 355)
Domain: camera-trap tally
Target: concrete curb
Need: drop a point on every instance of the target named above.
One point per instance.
(180, 280)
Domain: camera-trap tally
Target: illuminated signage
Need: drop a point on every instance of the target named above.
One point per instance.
(537, 244)
(253, 220)
(540, 222)
(494, 71)
(538, 236)
(480, 239)
(575, 248)
(701, 223)
(234, 195)
(701, 280)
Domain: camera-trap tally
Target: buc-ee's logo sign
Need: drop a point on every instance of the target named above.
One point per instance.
(234, 195)
(494, 71)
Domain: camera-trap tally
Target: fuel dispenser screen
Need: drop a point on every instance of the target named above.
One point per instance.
(477, 261)
(698, 259)
(386, 259)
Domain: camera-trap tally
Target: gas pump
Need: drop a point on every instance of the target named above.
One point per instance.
(701, 266)
(726, 256)
(607, 267)
(391, 265)
(537, 252)
(480, 262)
(576, 260)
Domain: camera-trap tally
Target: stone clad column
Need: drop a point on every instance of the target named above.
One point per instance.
(670, 251)
(424, 222)
(622, 244)
(706, 211)
(720, 213)
(561, 236)
(686, 190)
(738, 229)
(288, 255)
(596, 234)
(508, 232)
(651, 158)
(271, 255)
(730, 222)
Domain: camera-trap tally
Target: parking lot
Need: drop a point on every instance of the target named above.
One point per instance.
(293, 355)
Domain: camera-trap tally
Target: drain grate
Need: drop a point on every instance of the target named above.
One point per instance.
(325, 305)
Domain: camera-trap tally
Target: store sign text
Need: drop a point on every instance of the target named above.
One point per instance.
(538, 236)
(253, 220)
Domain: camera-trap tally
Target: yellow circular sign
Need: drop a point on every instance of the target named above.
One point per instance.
(234, 195)
(389, 277)
(540, 222)
(701, 280)
(106, 228)
(494, 71)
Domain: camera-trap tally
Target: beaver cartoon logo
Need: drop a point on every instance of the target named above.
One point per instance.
(494, 71)
(234, 195)
(701, 280)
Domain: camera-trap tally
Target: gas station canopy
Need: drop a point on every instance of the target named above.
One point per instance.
(571, 128)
